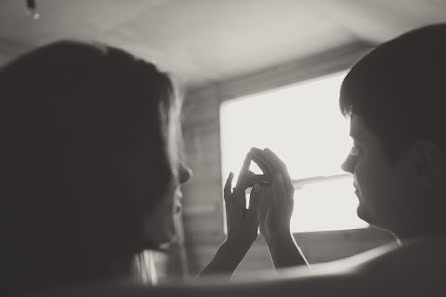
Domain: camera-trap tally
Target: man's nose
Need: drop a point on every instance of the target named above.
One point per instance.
(348, 164)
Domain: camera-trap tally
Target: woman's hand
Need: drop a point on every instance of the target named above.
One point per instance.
(242, 223)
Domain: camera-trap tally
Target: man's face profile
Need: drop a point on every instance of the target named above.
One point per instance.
(379, 183)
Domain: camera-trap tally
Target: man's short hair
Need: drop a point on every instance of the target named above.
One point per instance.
(399, 89)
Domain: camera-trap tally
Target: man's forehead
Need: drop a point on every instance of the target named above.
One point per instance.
(358, 130)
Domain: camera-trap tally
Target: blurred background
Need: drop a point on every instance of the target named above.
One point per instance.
(262, 73)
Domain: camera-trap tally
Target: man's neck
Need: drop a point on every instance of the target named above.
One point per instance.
(420, 232)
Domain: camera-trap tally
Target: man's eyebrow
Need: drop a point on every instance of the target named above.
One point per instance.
(358, 136)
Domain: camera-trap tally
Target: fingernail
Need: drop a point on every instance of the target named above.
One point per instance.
(256, 188)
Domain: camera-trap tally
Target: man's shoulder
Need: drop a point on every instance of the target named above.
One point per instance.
(412, 268)
(414, 255)
(411, 254)
(415, 264)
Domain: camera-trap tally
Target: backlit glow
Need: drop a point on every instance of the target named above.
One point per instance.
(303, 125)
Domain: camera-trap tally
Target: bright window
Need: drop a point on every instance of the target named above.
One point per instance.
(302, 123)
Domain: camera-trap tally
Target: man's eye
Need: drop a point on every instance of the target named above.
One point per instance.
(355, 151)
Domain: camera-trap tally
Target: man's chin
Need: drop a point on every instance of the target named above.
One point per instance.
(363, 214)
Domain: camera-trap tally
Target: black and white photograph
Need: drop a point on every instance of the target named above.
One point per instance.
(224, 148)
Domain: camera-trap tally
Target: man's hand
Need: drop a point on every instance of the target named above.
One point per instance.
(276, 199)
(275, 209)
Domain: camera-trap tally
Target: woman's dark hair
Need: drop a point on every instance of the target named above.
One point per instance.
(74, 117)
(399, 89)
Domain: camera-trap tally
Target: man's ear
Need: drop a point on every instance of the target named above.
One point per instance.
(428, 162)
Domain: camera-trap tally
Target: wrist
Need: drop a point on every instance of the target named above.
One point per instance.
(279, 237)
(226, 260)
(236, 246)
(230, 254)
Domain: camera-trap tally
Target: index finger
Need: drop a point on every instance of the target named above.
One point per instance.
(259, 157)
(244, 172)
(227, 189)
(277, 162)
(281, 167)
